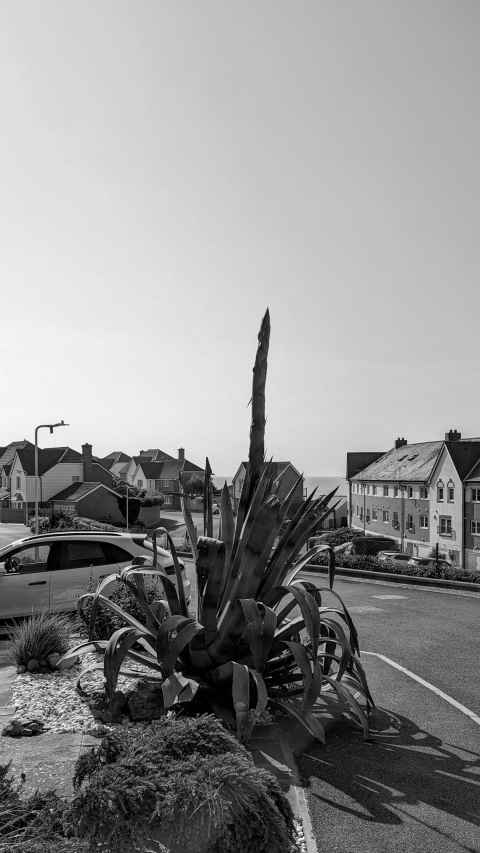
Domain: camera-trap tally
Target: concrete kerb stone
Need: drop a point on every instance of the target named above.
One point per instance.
(272, 750)
(415, 580)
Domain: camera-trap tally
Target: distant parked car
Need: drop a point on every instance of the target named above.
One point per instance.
(215, 509)
(430, 563)
(370, 545)
(52, 570)
(393, 558)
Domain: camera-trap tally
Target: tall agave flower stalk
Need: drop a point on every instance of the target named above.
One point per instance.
(258, 637)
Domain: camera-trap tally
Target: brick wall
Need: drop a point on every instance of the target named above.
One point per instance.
(403, 508)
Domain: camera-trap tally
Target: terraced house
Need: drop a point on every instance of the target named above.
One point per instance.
(422, 495)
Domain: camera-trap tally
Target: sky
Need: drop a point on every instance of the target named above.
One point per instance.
(169, 169)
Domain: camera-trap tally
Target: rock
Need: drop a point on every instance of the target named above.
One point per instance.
(53, 659)
(21, 668)
(42, 662)
(108, 712)
(146, 702)
(22, 728)
(98, 731)
(33, 665)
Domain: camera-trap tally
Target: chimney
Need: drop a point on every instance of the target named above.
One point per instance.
(400, 442)
(88, 475)
(453, 435)
(181, 455)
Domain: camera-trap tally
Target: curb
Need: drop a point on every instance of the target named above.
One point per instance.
(298, 799)
(415, 580)
(278, 757)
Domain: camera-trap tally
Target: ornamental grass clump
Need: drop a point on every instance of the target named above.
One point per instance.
(185, 783)
(259, 637)
(37, 642)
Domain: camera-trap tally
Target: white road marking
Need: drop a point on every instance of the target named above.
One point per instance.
(365, 608)
(436, 690)
(388, 597)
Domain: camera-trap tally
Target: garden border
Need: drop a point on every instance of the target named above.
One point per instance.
(416, 580)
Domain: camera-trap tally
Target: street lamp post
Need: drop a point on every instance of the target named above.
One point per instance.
(51, 427)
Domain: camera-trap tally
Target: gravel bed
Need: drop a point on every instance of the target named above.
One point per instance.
(299, 845)
(53, 698)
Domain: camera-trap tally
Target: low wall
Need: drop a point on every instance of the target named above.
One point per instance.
(12, 516)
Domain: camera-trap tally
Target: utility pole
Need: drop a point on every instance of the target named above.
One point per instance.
(51, 427)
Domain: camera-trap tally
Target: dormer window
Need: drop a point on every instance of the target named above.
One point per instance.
(440, 491)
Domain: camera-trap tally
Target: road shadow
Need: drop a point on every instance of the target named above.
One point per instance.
(400, 765)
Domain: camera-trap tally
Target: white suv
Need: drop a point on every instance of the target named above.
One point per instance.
(52, 570)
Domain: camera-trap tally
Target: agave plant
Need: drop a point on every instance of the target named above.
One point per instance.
(258, 636)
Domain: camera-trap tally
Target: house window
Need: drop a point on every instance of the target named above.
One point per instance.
(140, 484)
(476, 495)
(386, 515)
(361, 514)
(445, 525)
(358, 510)
(475, 527)
(424, 492)
(385, 491)
(395, 491)
(374, 515)
(395, 519)
(450, 493)
(409, 522)
(367, 516)
(410, 491)
(168, 500)
(368, 490)
(424, 522)
(374, 490)
(19, 482)
(440, 491)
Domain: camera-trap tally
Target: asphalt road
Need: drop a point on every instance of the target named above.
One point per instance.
(415, 786)
(435, 633)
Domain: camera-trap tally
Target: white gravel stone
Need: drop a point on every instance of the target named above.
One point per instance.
(53, 698)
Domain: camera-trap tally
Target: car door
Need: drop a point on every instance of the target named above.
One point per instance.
(24, 588)
(77, 564)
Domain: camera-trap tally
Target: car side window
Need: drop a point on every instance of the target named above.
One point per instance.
(79, 555)
(114, 554)
(33, 558)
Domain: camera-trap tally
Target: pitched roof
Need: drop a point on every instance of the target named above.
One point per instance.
(167, 469)
(8, 453)
(115, 456)
(474, 473)
(465, 454)
(357, 461)
(411, 462)
(47, 458)
(76, 491)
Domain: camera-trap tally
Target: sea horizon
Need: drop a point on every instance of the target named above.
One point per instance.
(324, 485)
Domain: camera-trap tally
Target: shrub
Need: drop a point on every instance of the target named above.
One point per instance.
(190, 782)
(371, 564)
(107, 621)
(39, 636)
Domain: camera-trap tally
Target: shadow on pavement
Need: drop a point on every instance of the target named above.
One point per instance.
(400, 766)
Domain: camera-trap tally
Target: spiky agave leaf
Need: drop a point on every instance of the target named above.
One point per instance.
(178, 573)
(174, 634)
(115, 652)
(260, 623)
(228, 529)
(306, 718)
(187, 516)
(210, 566)
(207, 501)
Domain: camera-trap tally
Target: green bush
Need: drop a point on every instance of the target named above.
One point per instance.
(39, 636)
(107, 621)
(371, 564)
(187, 780)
